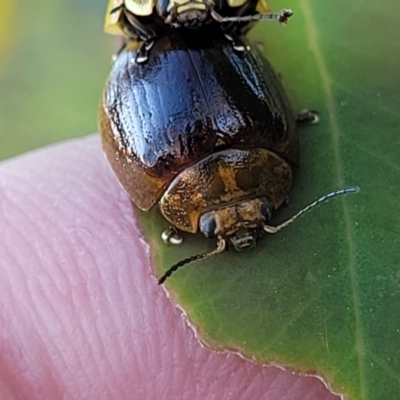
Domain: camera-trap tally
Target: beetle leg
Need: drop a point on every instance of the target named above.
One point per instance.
(131, 26)
(143, 53)
(307, 117)
(172, 236)
(136, 30)
(132, 35)
(232, 30)
(237, 44)
(232, 24)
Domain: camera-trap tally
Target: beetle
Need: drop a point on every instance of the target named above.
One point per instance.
(205, 132)
(143, 20)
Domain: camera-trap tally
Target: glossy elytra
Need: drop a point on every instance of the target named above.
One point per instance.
(205, 132)
(143, 20)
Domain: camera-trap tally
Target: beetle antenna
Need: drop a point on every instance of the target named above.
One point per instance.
(220, 247)
(274, 229)
(282, 17)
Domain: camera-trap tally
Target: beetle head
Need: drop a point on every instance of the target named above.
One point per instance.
(187, 13)
(242, 225)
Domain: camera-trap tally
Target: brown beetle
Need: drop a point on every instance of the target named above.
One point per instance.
(204, 131)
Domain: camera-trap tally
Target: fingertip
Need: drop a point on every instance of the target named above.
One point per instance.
(84, 311)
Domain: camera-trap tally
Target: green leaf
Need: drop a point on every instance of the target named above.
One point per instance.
(323, 295)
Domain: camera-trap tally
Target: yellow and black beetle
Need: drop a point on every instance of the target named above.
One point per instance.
(143, 20)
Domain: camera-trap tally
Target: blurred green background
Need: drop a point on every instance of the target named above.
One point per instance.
(54, 59)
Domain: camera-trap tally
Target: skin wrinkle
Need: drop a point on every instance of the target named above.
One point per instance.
(27, 288)
(12, 284)
(78, 333)
(94, 324)
(101, 323)
(117, 292)
(119, 320)
(114, 286)
(44, 302)
(297, 388)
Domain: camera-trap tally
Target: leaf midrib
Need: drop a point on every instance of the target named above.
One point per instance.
(336, 133)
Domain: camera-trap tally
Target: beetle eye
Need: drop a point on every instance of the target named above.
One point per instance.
(208, 225)
(266, 211)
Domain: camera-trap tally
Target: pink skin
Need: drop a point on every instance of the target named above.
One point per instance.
(81, 315)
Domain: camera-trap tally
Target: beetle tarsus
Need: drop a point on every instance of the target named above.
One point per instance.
(236, 43)
(143, 52)
(284, 15)
(307, 117)
(172, 236)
